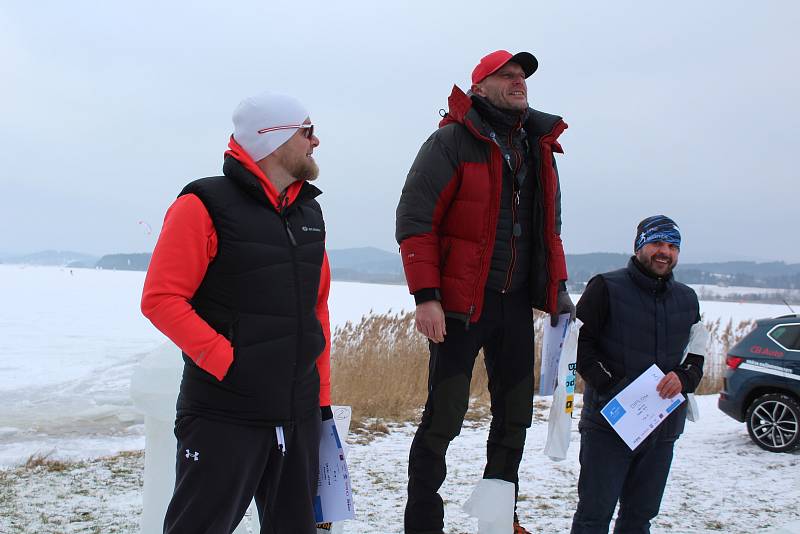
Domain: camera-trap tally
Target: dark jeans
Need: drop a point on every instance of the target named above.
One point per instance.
(236, 463)
(610, 471)
(505, 332)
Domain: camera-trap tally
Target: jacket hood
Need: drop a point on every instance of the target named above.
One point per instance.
(462, 111)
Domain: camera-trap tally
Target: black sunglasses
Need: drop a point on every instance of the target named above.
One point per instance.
(309, 130)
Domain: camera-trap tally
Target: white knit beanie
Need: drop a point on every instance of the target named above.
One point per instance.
(263, 122)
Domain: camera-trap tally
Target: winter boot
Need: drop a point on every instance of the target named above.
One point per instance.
(519, 529)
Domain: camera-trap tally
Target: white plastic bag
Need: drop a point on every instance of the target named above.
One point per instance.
(559, 424)
(698, 341)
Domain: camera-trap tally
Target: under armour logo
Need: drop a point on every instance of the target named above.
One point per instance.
(195, 455)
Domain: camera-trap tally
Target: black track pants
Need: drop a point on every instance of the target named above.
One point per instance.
(222, 466)
(610, 471)
(505, 332)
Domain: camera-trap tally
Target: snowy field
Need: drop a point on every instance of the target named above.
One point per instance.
(719, 482)
(70, 339)
(727, 292)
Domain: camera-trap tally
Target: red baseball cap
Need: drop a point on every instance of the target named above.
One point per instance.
(492, 62)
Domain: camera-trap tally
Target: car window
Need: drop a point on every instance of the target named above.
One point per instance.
(787, 335)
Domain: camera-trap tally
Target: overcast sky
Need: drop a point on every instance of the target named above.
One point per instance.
(685, 108)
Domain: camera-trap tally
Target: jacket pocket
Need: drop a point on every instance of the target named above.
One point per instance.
(262, 370)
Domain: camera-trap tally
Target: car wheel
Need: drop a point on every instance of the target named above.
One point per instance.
(773, 422)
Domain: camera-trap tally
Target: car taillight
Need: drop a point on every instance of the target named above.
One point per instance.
(733, 361)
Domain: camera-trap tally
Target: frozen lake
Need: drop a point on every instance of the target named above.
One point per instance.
(70, 338)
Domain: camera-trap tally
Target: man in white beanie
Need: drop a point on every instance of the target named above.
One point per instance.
(239, 281)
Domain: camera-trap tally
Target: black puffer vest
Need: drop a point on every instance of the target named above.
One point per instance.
(648, 322)
(260, 292)
(511, 255)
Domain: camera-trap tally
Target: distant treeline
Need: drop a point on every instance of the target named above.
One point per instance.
(694, 276)
(371, 264)
(124, 262)
(778, 275)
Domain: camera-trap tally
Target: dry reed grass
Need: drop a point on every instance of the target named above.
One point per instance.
(720, 340)
(380, 367)
(43, 461)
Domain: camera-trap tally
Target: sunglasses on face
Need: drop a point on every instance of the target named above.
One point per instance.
(308, 129)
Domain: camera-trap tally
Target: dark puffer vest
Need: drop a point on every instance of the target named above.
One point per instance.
(260, 292)
(511, 255)
(648, 322)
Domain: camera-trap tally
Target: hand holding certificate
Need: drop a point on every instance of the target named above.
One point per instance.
(638, 409)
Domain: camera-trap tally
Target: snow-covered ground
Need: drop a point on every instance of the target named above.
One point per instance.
(719, 482)
(70, 339)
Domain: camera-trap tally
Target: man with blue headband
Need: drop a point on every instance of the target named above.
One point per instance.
(633, 318)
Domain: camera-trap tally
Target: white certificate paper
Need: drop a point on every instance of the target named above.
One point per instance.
(334, 500)
(638, 409)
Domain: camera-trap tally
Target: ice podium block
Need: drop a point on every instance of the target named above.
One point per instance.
(154, 390)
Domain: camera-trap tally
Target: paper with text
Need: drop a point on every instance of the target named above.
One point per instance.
(638, 409)
(334, 500)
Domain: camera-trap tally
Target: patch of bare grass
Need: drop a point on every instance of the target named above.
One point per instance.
(48, 496)
(43, 461)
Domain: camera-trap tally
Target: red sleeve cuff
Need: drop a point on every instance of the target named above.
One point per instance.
(217, 361)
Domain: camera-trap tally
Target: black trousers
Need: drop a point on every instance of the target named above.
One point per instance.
(505, 332)
(610, 471)
(221, 466)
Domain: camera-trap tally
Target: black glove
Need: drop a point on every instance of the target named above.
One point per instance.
(326, 412)
(563, 305)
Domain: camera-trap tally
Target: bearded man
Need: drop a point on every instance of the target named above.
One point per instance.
(633, 318)
(239, 280)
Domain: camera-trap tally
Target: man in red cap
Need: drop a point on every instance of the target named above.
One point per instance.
(479, 224)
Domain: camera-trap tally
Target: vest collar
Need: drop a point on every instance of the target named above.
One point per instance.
(501, 120)
(536, 123)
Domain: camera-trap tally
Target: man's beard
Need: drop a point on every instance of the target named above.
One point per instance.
(303, 168)
(649, 263)
(307, 171)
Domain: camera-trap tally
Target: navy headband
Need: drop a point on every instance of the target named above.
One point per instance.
(657, 228)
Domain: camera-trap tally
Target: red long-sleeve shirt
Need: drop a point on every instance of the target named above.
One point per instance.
(185, 248)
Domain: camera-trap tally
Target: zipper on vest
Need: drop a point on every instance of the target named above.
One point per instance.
(299, 306)
(284, 203)
(516, 228)
(516, 232)
(289, 232)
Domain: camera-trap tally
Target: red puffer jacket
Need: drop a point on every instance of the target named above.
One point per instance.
(447, 214)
